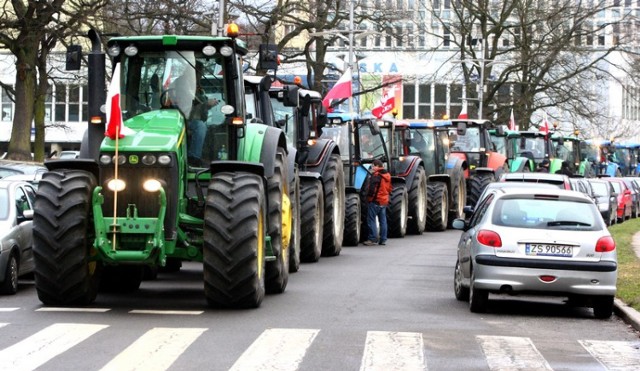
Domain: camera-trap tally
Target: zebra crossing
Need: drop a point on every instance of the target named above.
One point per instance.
(285, 349)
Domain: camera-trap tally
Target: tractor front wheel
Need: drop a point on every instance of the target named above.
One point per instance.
(311, 219)
(333, 181)
(398, 211)
(234, 240)
(280, 222)
(437, 206)
(417, 203)
(352, 220)
(63, 238)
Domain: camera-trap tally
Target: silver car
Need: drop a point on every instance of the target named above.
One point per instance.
(16, 247)
(536, 242)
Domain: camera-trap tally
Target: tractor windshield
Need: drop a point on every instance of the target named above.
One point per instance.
(284, 116)
(469, 142)
(174, 79)
(340, 135)
(532, 147)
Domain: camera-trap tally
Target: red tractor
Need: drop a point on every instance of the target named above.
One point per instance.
(471, 143)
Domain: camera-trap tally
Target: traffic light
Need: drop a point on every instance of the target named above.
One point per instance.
(268, 57)
(74, 57)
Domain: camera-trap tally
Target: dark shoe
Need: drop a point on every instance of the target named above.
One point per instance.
(382, 243)
(368, 243)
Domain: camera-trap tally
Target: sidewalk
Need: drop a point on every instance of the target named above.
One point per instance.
(622, 310)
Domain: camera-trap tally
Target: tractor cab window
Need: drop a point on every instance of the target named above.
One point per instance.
(172, 79)
(422, 143)
(371, 146)
(532, 147)
(285, 116)
(469, 142)
(500, 144)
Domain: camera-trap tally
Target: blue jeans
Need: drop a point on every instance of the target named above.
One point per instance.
(198, 130)
(379, 212)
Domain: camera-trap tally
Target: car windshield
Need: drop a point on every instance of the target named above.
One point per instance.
(546, 213)
(600, 189)
(4, 204)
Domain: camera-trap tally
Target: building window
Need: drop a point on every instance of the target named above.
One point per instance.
(409, 105)
(48, 105)
(601, 40)
(376, 41)
(399, 36)
(440, 101)
(447, 38)
(60, 96)
(387, 41)
(7, 107)
(74, 103)
(424, 101)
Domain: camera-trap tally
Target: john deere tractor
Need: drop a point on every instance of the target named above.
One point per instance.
(135, 199)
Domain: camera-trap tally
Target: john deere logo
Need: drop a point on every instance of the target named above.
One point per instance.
(133, 159)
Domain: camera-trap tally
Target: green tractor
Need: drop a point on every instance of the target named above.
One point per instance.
(527, 149)
(138, 201)
(568, 148)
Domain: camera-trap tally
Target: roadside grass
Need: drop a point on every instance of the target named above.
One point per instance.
(628, 288)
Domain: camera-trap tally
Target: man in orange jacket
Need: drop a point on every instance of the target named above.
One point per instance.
(378, 193)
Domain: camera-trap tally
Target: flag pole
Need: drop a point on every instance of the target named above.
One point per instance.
(115, 191)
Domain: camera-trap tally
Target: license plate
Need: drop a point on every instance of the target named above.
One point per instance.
(536, 249)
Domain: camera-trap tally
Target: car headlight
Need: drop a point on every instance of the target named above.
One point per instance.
(116, 185)
(152, 185)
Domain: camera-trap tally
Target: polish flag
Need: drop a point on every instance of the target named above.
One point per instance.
(167, 75)
(463, 114)
(544, 127)
(342, 89)
(387, 103)
(512, 121)
(114, 113)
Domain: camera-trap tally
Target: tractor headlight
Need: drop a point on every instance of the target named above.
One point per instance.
(226, 51)
(122, 159)
(164, 160)
(209, 50)
(152, 185)
(148, 159)
(116, 185)
(131, 50)
(114, 50)
(105, 159)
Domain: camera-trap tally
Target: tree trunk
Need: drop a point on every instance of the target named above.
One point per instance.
(20, 143)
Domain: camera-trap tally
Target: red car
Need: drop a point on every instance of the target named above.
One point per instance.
(625, 198)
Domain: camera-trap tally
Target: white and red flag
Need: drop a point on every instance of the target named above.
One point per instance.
(463, 114)
(387, 103)
(114, 112)
(342, 89)
(512, 121)
(544, 127)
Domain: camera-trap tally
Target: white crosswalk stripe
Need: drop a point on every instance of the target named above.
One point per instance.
(614, 355)
(511, 353)
(393, 351)
(44, 345)
(155, 350)
(276, 349)
(281, 349)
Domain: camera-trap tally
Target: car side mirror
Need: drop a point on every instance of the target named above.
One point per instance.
(459, 224)
(28, 214)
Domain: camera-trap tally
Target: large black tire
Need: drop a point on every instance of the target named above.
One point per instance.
(10, 284)
(476, 186)
(280, 223)
(234, 240)
(458, 198)
(352, 220)
(311, 220)
(437, 206)
(398, 212)
(294, 245)
(334, 206)
(417, 203)
(63, 236)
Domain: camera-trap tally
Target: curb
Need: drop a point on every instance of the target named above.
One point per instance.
(627, 313)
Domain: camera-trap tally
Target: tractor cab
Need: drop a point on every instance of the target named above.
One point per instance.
(568, 148)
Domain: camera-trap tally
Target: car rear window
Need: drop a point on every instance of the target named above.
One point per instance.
(600, 189)
(556, 182)
(546, 213)
(616, 186)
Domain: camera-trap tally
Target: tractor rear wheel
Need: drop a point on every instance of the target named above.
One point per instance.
(352, 220)
(234, 240)
(294, 246)
(459, 198)
(417, 203)
(437, 206)
(311, 218)
(477, 184)
(280, 222)
(397, 212)
(333, 181)
(63, 237)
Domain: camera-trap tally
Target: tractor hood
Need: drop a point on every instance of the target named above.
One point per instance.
(154, 131)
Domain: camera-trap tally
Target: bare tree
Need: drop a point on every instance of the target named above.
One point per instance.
(551, 52)
(30, 30)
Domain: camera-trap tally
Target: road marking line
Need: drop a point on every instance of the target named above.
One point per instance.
(178, 312)
(393, 351)
(276, 349)
(156, 350)
(8, 309)
(3, 324)
(614, 355)
(42, 346)
(512, 353)
(63, 309)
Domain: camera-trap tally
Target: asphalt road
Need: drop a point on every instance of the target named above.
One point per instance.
(371, 308)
